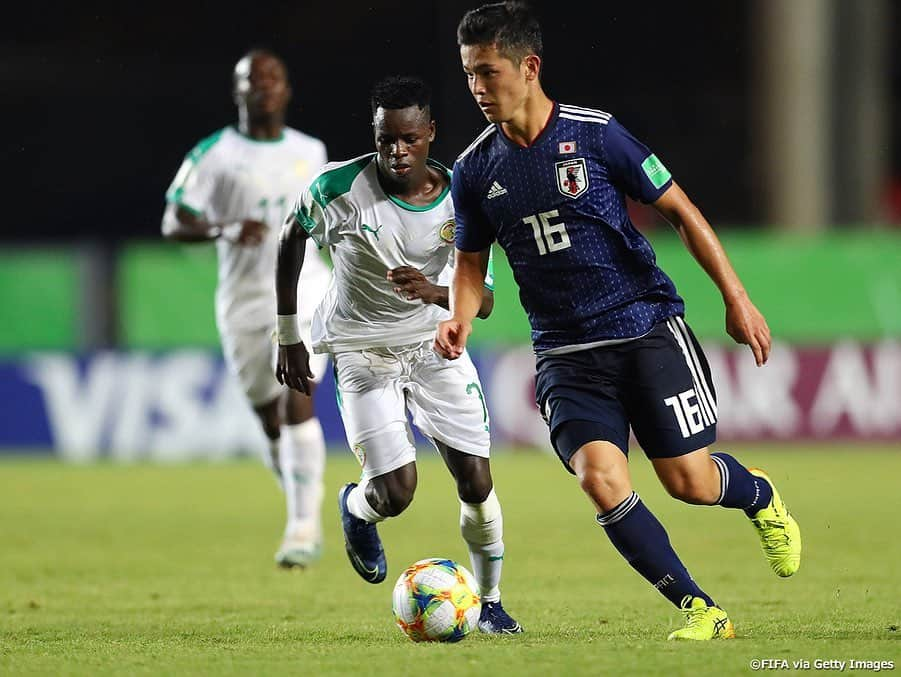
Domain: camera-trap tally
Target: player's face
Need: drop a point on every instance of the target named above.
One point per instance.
(402, 139)
(499, 86)
(261, 84)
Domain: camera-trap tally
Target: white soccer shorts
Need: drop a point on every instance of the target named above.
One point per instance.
(251, 355)
(376, 387)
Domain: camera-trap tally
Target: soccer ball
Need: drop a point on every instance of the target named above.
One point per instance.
(436, 600)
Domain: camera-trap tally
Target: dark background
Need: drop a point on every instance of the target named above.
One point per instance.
(102, 102)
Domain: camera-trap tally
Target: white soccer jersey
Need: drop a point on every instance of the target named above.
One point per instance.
(368, 233)
(230, 177)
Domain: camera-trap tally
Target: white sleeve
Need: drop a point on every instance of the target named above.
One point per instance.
(309, 214)
(194, 184)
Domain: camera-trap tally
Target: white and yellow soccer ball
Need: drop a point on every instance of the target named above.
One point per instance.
(436, 600)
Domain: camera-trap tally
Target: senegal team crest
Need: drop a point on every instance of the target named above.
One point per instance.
(360, 452)
(572, 177)
(447, 231)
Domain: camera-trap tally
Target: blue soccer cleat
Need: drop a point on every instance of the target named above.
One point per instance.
(362, 542)
(493, 620)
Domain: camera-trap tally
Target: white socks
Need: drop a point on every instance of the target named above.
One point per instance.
(359, 506)
(482, 526)
(302, 461)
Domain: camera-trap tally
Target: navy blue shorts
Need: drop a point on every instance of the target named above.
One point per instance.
(658, 384)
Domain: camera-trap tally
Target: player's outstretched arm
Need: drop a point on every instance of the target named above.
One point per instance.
(465, 301)
(183, 225)
(412, 284)
(293, 368)
(744, 323)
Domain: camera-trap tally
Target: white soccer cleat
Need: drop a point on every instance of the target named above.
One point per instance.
(300, 547)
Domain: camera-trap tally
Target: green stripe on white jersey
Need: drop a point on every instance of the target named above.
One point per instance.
(176, 189)
(368, 234)
(337, 178)
(227, 178)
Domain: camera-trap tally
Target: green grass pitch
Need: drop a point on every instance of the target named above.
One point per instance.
(168, 570)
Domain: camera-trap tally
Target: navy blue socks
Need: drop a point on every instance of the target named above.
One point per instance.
(642, 540)
(739, 488)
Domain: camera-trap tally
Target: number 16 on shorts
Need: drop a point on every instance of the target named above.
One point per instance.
(691, 418)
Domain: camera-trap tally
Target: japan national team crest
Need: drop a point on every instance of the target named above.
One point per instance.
(447, 231)
(572, 177)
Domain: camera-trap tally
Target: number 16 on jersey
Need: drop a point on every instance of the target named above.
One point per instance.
(550, 237)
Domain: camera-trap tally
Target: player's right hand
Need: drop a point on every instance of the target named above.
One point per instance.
(745, 324)
(450, 340)
(293, 368)
(252, 232)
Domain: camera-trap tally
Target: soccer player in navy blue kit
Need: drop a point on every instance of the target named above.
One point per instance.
(548, 182)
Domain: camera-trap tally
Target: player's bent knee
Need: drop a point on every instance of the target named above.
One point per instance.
(391, 502)
(474, 489)
(271, 426)
(474, 481)
(393, 492)
(693, 492)
(269, 418)
(593, 480)
(601, 468)
(601, 486)
(397, 502)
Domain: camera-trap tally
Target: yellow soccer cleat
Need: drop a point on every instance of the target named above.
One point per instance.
(779, 533)
(704, 622)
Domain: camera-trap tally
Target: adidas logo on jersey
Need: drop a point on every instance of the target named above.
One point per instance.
(496, 190)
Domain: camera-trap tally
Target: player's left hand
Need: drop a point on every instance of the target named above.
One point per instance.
(745, 324)
(412, 284)
(293, 368)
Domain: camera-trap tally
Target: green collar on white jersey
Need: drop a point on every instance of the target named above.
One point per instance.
(281, 136)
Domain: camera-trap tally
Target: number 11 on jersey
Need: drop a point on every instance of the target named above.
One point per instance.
(550, 237)
(280, 212)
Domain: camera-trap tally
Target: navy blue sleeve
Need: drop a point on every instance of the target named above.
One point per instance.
(633, 167)
(473, 232)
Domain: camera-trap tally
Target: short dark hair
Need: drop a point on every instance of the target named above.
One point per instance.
(401, 91)
(510, 26)
(255, 52)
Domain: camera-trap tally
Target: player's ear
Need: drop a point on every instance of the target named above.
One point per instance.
(432, 130)
(531, 66)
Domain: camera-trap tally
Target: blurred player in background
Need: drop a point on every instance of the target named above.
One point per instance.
(235, 188)
(387, 219)
(548, 182)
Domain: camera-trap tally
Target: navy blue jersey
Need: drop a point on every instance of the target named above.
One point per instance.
(558, 209)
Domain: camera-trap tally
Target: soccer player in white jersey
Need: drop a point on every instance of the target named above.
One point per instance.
(235, 188)
(387, 219)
